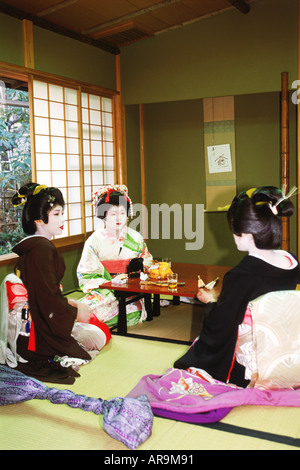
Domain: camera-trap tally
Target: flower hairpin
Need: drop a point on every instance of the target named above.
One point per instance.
(107, 190)
(51, 200)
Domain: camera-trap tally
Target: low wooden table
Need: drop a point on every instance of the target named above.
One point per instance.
(187, 274)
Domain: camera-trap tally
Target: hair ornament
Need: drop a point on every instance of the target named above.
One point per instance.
(250, 192)
(39, 188)
(51, 200)
(23, 200)
(107, 190)
(291, 193)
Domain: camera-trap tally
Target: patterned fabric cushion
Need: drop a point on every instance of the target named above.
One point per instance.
(276, 340)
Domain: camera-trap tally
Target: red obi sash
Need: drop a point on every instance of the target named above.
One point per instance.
(116, 266)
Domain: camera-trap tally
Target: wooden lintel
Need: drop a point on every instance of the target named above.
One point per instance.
(240, 5)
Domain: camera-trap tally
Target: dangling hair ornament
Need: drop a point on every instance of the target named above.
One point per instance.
(291, 193)
(120, 188)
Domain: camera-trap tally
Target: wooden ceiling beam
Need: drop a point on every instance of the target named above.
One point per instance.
(240, 5)
(42, 23)
(120, 28)
(129, 16)
(56, 7)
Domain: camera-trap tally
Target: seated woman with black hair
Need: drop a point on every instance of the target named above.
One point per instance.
(54, 330)
(254, 220)
(108, 251)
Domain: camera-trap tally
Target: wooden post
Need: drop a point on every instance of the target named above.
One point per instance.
(143, 178)
(285, 153)
(28, 50)
(120, 153)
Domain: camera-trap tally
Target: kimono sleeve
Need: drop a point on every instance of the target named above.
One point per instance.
(214, 349)
(148, 258)
(90, 271)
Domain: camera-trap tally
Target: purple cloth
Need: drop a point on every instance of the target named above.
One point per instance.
(128, 420)
(212, 416)
(182, 395)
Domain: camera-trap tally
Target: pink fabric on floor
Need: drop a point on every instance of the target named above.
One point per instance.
(181, 391)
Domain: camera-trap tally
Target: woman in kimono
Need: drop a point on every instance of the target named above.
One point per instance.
(108, 250)
(254, 220)
(41, 268)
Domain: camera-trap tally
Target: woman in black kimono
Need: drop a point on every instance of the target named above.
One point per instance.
(254, 219)
(41, 268)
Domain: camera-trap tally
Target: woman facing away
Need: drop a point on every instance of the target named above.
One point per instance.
(41, 268)
(254, 220)
(108, 250)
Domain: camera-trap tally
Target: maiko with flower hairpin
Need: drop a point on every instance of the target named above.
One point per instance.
(108, 251)
(254, 218)
(107, 191)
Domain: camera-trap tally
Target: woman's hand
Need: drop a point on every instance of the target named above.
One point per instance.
(83, 311)
(207, 296)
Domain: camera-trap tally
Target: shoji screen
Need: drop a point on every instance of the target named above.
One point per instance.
(74, 147)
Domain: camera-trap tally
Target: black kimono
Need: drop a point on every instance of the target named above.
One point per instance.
(215, 348)
(41, 269)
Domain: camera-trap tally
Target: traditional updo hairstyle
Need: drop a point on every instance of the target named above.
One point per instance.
(259, 212)
(38, 200)
(114, 198)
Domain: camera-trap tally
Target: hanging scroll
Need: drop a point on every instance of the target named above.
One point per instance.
(219, 143)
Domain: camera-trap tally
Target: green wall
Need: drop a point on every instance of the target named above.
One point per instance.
(11, 40)
(170, 74)
(175, 167)
(228, 54)
(57, 54)
(85, 63)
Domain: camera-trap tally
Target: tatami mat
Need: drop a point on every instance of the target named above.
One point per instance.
(40, 425)
(181, 322)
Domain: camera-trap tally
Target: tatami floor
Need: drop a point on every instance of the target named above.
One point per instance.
(41, 425)
(176, 322)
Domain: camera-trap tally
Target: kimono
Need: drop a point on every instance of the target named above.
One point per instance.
(214, 350)
(102, 249)
(41, 268)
